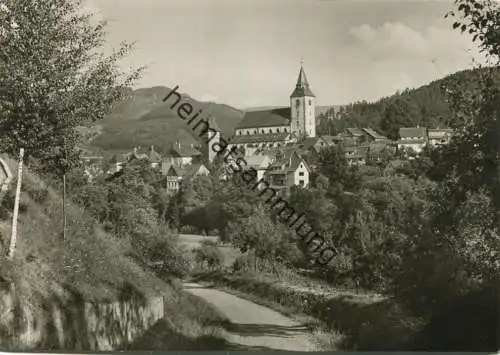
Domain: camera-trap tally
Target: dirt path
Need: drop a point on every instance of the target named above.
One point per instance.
(253, 325)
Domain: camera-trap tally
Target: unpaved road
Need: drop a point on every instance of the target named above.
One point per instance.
(253, 325)
(195, 240)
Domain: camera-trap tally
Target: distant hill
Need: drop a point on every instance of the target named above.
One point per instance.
(424, 106)
(144, 120)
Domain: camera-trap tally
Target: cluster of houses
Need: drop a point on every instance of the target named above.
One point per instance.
(274, 143)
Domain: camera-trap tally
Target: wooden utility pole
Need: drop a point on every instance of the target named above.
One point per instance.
(64, 206)
(13, 237)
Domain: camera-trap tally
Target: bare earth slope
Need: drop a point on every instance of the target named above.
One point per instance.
(253, 325)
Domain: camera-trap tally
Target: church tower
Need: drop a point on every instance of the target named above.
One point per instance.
(213, 136)
(302, 107)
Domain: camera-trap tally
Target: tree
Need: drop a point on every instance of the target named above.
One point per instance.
(54, 78)
(451, 264)
(257, 233)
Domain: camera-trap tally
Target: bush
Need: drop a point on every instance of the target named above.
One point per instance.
(167, 255)
(242, 263)
(209, 253)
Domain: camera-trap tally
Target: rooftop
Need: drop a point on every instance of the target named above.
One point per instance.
(266, 118)
(412, 132)
(259, 138)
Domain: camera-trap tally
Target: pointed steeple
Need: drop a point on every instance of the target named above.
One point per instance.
(302, 86)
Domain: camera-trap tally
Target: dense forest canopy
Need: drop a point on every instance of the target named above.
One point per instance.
(425, 106)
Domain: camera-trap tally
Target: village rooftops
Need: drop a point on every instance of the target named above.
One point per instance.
(373, 134)
(154, 157)
(355, 132)
(437, 133)
(257, 161)
(266, 118)
(182, 150)
(185, 172)
(331, 140)
(277, 152)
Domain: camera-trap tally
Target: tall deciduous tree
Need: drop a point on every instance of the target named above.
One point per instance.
(53, 78)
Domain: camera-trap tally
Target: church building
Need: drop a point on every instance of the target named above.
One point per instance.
(275, 128)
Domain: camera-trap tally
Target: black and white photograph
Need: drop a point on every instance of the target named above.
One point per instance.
(249, 175)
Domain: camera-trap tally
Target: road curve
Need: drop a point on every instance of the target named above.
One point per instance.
(253, 325)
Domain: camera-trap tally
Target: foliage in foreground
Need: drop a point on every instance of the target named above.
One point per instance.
(54, 79)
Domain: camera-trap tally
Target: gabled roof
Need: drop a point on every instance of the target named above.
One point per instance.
(302, 86)
(266, 118)
(355, 132)
(191, 170)
(412, 132)
(153, 156)
(259, 138)
(310, 142)
(170, 169)
(372, 133)
(135, 155)
(288, 162)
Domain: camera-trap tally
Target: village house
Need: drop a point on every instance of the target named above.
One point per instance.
(176, 175)
(362, 135)
(182, 154)
(414, 138)
(151, 156)
(287, 170)
(439, 136)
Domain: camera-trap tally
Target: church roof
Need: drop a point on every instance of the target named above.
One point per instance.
(260, 138)
(266, 118)
(302, 86)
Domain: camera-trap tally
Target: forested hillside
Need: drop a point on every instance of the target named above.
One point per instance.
(144, 120)
(424, 106)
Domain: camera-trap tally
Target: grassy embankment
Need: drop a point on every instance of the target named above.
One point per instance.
(89, 263)
(339, 318)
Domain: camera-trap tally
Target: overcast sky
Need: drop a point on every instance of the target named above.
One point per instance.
(247, 52)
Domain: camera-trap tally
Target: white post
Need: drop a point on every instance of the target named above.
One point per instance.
(13, 236)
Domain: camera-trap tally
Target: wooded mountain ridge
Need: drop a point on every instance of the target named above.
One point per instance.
(425, 106)
(145, 120)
